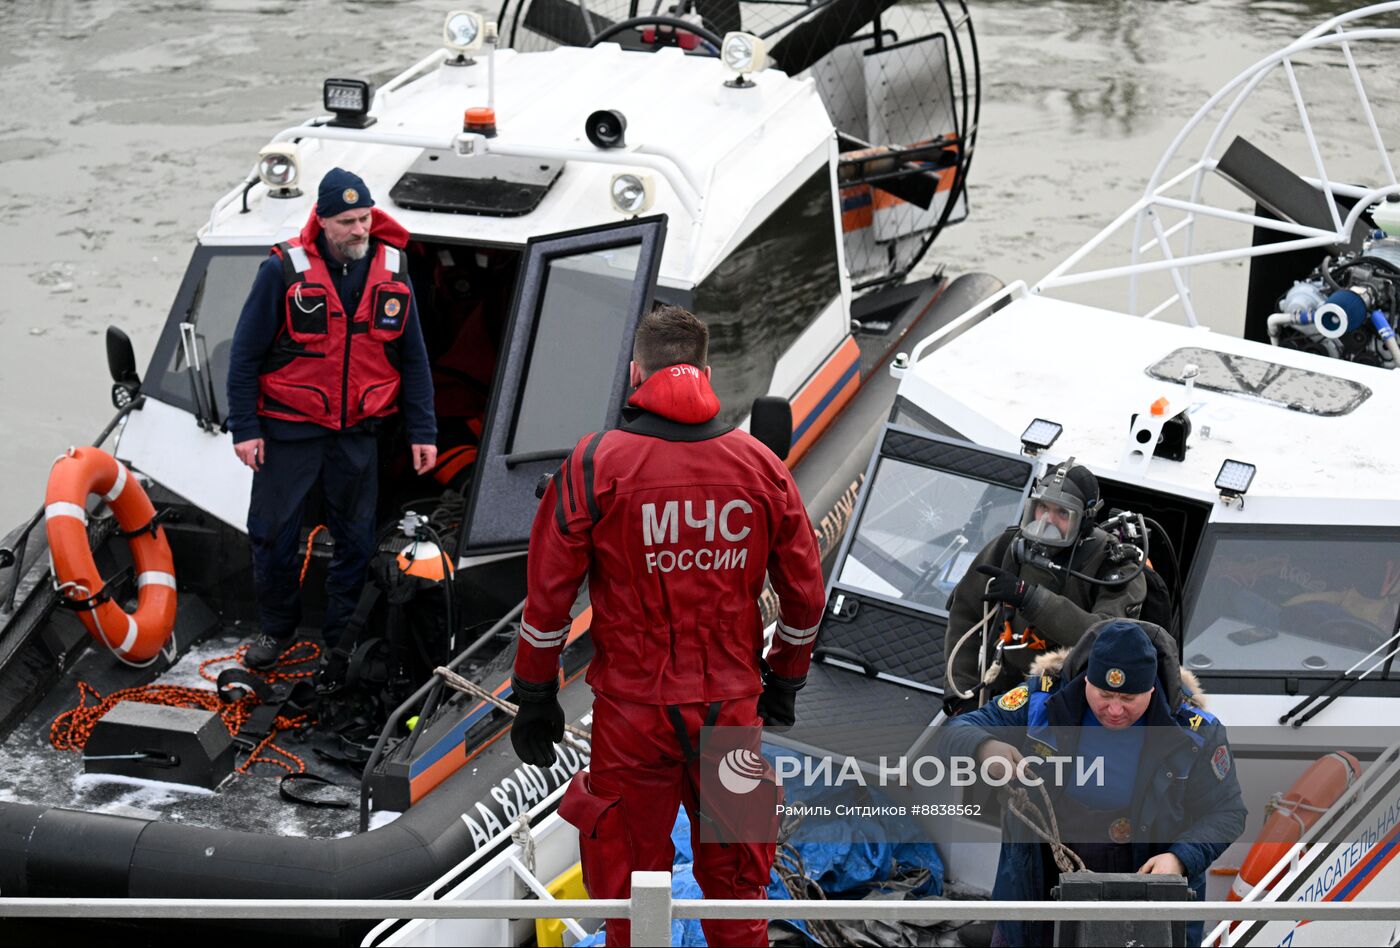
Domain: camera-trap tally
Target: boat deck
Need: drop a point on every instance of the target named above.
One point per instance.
(38, 773)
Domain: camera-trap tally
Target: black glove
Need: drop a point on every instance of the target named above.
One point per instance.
(330, 674)
(778, 704)
(1006, 587)
(539, 724)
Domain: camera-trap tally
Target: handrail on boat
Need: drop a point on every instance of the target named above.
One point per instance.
(668, 164)
(956, 327)
(435, 58)
(423, 697)
(659, 159)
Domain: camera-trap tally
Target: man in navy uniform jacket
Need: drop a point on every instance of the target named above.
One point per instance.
(1169, 800)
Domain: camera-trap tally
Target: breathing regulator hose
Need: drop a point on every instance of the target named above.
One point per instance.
(1044, 562)
(984, 628)
(1118, 551)
(1026, 553)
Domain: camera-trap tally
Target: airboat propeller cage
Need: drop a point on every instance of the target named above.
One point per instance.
(1387, 215)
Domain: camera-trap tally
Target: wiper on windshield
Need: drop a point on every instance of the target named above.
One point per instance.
(1340, 685)
(201, 377)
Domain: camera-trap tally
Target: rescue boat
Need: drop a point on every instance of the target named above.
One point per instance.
(1221, 357)
(1204, 356)
(782, 173)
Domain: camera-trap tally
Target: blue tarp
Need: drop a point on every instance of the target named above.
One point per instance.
(852, 855)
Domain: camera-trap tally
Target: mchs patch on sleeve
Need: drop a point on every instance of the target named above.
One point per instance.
(1220, 762)
(1014, 698)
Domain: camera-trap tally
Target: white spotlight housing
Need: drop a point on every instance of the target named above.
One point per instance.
(632, 193)
(279, 167)
(743, 53)
(463, 31)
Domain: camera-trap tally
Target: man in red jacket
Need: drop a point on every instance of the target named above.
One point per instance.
(674, 518)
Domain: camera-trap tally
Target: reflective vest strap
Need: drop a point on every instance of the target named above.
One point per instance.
(300, 261)
(295, 262)
(393, 261)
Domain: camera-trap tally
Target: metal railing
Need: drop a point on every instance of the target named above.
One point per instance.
(1340, 34)
(670, 164)
(651, 909)
(425, 699)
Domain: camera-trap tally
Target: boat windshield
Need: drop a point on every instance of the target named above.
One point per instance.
(919, 530)
(1295, 605)
(211, 299)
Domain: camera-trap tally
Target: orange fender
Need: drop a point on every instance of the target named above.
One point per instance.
(138, 637)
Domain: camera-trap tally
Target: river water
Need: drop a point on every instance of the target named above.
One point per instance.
(124, 121)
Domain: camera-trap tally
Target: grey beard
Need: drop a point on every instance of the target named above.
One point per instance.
(353, 251)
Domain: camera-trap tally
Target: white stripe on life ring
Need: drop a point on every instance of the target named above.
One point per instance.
(154, 577)
(118, 486)
(130, 641)
(63, 508)
(1240, 887)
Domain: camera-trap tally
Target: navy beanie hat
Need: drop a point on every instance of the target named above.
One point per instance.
(340, 191)
(1123, 659)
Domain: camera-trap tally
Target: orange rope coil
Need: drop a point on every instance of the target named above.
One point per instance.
(71, 729)
(310, 540)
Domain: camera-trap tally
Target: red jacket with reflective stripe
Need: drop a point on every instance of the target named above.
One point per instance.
(323, 367)
(674, 519)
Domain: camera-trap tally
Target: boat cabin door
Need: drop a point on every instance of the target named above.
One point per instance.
(563, 368)
(928, 507)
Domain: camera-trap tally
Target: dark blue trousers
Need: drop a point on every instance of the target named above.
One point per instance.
(346, 466)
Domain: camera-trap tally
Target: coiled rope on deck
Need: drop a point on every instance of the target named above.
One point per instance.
(72, 729)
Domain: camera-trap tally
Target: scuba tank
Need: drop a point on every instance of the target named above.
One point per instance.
(404, 626)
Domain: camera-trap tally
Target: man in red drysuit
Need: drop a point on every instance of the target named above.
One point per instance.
(674, 518)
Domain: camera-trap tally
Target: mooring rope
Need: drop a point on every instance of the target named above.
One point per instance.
(458, 683)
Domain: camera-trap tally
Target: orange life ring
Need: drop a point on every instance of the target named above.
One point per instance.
(1320, 786)
(83, 471)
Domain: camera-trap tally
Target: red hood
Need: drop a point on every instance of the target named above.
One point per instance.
(381, 227)
(680, 393)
